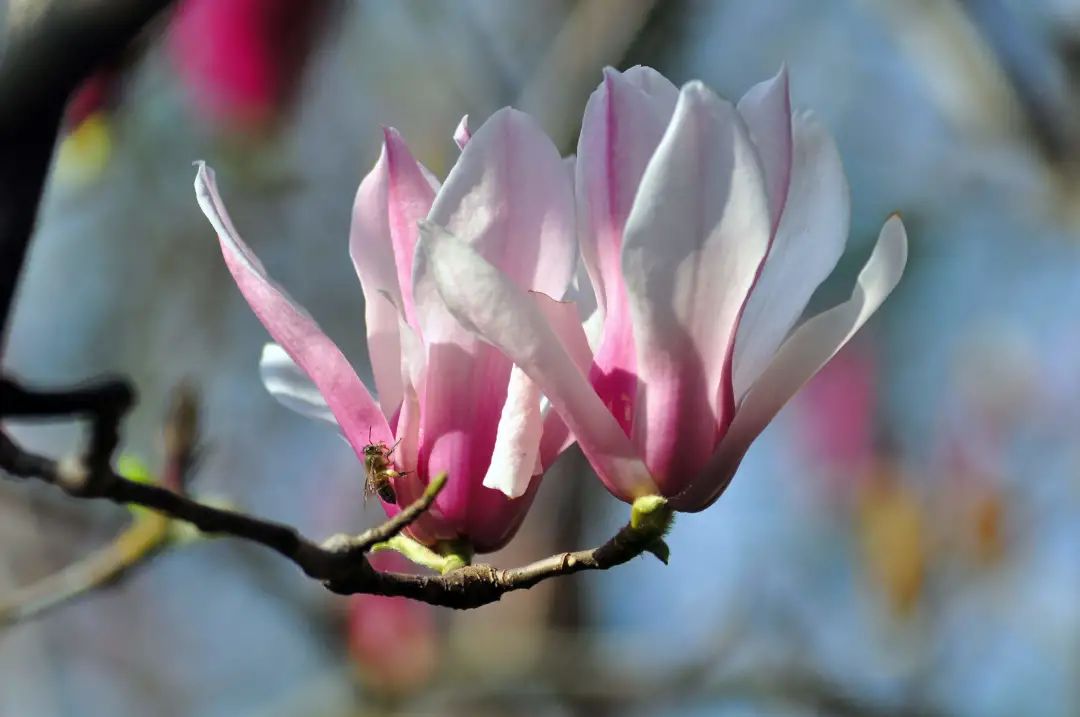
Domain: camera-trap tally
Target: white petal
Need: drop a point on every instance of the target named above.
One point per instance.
(694, 240)
(514, 459)
(766, 107)
(809, 241)
(290, 386)
(808, 349)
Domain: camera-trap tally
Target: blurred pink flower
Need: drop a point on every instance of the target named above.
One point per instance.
(705, 228)
(392, 641)
(838, 418)
(240, 60)
(447, 401)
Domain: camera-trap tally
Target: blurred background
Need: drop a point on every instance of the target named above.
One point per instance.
(903, 540)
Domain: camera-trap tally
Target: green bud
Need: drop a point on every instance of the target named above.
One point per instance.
(424, 556)
(651, 514)
(132, 468)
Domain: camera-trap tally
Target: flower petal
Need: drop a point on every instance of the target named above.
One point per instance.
(564, 318)
(624, 120)
(511, 197)
(766, 107)
(462, 135)
(486, 302)
(410, 193)
(353, 407)
(809, 241)
(514, 459)
(804, 353)
(290, 386)
(697, 233)
(409, 486)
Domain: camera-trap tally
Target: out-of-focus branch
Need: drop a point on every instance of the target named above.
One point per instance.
(595, 34)
(133, 548)
(48, 46)
(149, 533)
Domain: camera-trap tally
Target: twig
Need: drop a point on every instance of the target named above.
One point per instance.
(134, 547)
(148, 535)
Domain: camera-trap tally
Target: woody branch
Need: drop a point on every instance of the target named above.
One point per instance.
(340, 562)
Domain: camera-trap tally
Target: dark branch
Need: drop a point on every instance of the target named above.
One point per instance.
(340, 562)
(105, 397)
(49, 46)
(149, 533)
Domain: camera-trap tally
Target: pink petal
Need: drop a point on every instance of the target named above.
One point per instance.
(808, 349)
(372, 254)
(392, 198)
(462, 135)
(463, 398)
(623, 123)
(809, 241)
(429, 527)
(486, 302)
(698, 231)
(515, 457)
(356, 412)
(510, 196)
(766, 107)
(564, 319)
(493, 518)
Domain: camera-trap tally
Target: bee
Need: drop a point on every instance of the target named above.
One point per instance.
(379, 471)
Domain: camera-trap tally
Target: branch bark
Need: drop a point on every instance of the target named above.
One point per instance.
(340, 562)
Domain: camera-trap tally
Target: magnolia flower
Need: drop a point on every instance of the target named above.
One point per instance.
(447, 401)
(705, 228)
(240, 61)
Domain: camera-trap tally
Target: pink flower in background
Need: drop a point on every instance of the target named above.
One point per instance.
(392, 641)
(449, 401)
(838, 418)
(239, 60)
(705, 228)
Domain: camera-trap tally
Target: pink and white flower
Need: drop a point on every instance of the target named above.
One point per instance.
(705, 228)
(448, 401)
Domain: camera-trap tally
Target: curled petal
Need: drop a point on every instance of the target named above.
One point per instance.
(290, 386)
(353, 407)
(804, 353)
(698, 231)
(486, 302)
(809, 241)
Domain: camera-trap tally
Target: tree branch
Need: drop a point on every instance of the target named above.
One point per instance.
(148, 535)
(49, 46)
(134, 547)
(340, 562)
